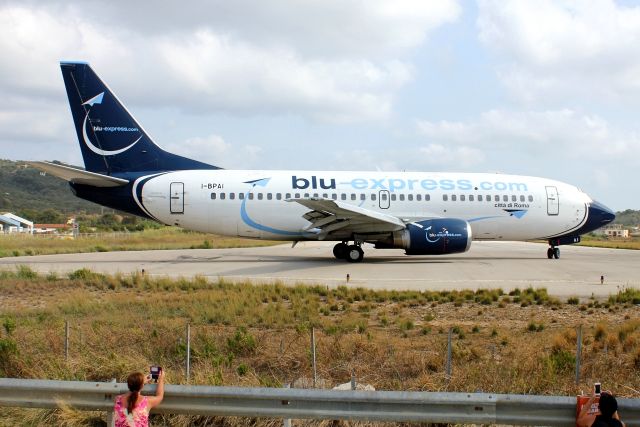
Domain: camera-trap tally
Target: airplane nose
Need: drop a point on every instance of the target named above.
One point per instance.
(600, 215)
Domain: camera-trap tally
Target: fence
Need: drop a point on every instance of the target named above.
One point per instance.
(479, 408)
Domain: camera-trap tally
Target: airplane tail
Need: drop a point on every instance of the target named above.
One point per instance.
(111, 140)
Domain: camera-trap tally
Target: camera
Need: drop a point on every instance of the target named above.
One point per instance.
(596, 389)
(155, 372)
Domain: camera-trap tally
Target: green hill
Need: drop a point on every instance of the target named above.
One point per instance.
(628, 217)
(24, 189)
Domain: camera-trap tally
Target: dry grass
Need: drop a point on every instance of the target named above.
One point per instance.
(259, 336)
(630, 243)
(164, 238)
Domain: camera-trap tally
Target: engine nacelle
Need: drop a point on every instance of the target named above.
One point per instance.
(432, 237)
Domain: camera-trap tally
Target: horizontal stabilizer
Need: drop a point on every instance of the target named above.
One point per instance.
(78, 176)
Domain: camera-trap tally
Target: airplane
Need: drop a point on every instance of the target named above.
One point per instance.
(423, 213)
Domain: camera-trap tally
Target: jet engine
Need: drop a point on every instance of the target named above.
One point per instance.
(438, 236)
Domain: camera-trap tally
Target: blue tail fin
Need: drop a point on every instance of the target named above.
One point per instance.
(111, 140)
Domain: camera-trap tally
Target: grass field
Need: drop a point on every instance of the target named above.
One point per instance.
(631, 243)
(163, 238)
(258, 335)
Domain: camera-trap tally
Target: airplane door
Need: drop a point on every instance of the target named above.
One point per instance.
(176, 191)
(553, 202)
(384, 199)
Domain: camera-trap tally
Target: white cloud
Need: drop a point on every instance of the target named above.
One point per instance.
(213, 149)
(555, 51)
(336, 61)
(565, 133)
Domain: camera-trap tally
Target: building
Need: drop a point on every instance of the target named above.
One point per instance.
(616, 230)
(14, 224)
(51, 228)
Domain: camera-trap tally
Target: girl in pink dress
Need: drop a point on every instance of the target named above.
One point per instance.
(132, 409)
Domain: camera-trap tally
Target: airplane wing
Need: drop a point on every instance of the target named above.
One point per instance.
(79, 176)
(336, 218)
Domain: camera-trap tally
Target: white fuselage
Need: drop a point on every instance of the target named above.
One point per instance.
(261, 204)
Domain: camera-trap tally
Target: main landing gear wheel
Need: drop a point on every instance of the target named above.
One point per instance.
(355, 253)
(550, 253)
(340, 250)
(553, 253)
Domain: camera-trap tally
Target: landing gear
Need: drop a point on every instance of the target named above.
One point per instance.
(340, 250)
(553, 252)
(355, 253)
(351, 253)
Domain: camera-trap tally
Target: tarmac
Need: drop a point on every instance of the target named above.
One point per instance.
(506, 265)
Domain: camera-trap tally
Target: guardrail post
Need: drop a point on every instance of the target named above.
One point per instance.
(313, 355)
(188, 351)
(111, 415)
(353, 380)
(578, 354)
(66, 340)
(286, 422)
(448, 367)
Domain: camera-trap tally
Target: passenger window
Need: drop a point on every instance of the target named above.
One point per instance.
(297, 195)
(363, 196)
(373, 197)
(232, 196)
(530, 198)
(325, 196)
(418, 197)
(316, 195)
(479, 197)
(427, 197)
(445, 197)
(514, 198)
(471, 197)
(334, 196)
(393, 197)
(287, 196)
(250, 196)
(241, 196)
(410, 197)
(260, 196)
(269, 196)
(496, 198)
(383, 196)
(454, 198)
(402, 197)
(488, 198)
(343, 196)
(221, 196)
(505, 198)
(462, 197)
(306, 195)
(353, 196)
(278, 196)
(213, 196)
(522, 197)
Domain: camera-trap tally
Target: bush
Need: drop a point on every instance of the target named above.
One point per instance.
(242, 369)
(242, 342)
(24, 272)
(9, 325)
(573, 301)
(562, 361)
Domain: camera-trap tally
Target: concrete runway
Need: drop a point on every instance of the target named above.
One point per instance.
(505, 265)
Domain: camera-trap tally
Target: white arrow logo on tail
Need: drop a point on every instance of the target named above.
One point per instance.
(98, 100)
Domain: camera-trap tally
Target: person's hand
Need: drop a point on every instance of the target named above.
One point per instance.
(161, 375)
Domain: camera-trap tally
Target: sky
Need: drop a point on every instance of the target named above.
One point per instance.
(543, 88)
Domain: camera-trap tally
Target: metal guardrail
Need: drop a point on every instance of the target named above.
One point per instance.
(478, 408)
